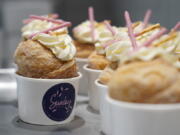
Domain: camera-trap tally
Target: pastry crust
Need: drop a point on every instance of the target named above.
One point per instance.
(169, 95)
(84, 50)
(36, 61)
(106, 75)
(96, 61)
(142, 82)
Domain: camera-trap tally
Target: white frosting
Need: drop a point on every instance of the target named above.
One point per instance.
(61, 45)
(102, 34)
(99, 48)
(36, 26)
(148, 54)
(121, 33)
(83, 32)
(116, 50)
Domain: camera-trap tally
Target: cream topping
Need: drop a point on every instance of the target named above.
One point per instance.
(148, 54)
(121, 33)
(115, 51)
(83, 32)
(61, 45)
(36, 26)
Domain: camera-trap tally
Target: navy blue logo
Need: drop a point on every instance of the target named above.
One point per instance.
(58, 101)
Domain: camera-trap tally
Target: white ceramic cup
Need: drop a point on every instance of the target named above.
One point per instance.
(94, 94)
(83, 89)
(104, 108)
(144, 119)
(47, 101)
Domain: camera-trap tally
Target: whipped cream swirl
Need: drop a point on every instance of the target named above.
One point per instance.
(61, 45)
(116, 50)
(83, 32)
(121, 33)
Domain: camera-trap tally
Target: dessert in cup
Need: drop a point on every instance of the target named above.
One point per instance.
(149, 34)
(97, 60)
(86, 35)
(118, 48)
(144, 99)
(143, 93)
(118, 42)
(112, 50)
(46, 74)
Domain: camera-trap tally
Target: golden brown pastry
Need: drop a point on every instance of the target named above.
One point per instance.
(36, 61)
(169, 95)
(145, 82)
(106, 75)
(97, 61)
(86, 36)
(83, 49)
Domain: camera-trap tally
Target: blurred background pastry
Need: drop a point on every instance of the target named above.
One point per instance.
(90, 32)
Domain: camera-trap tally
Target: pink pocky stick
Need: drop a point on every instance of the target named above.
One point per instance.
(26, 21)
(176, 27)
(91, 19)
(54, 16)
(154, 37)
(47, 19)
(110, 42)
(147, 18)
(65, 24)
(110, 28)
(130, 30)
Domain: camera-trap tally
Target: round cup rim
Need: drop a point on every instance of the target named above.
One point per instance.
(49, 80)
(100, 84)
(85, 67)
(81, 59)
(142, 106)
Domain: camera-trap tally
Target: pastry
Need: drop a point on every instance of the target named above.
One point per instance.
(145, 45)
(90, 32)
(106, 75)
(145, 82)
(47, 51)
(96, 61)
(83, 50)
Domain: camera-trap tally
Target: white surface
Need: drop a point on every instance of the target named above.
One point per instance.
(94, 95)
(104, 109)
(143, 119)
(85, 123)
(83, 86)
(30, 95)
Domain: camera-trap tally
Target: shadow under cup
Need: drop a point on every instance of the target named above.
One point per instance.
(47, 101)
(143, 119)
